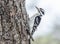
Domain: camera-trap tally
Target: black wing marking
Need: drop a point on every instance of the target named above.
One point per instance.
(36, 23)
(37, 20)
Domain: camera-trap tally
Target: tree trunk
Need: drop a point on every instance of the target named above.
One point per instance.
(13, 22)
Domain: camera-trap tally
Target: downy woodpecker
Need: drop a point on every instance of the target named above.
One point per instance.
(37, 19)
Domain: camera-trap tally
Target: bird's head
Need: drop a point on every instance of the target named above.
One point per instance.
(41, 11)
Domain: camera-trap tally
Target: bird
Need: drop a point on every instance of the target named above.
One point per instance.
(37, 19)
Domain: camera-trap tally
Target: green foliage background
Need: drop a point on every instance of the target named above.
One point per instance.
(46, 40)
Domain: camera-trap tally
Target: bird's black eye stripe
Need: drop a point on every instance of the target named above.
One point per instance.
(42, 10)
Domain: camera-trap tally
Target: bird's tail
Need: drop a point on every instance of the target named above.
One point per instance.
(31, 38)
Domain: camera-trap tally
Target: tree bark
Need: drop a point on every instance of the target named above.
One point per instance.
(13, 22)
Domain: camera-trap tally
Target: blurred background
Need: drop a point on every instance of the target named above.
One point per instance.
(48, 32)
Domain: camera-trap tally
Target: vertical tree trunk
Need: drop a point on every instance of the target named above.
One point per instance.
(13, 22)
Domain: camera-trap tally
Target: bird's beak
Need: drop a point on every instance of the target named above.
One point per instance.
(37, 8)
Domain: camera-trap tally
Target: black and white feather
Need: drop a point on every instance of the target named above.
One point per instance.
(37, 20)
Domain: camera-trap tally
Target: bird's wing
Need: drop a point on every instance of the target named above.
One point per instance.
(31, 21)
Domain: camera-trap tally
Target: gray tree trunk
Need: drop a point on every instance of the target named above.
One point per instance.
(13, 22)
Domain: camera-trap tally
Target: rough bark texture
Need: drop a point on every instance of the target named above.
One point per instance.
(13, 22)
